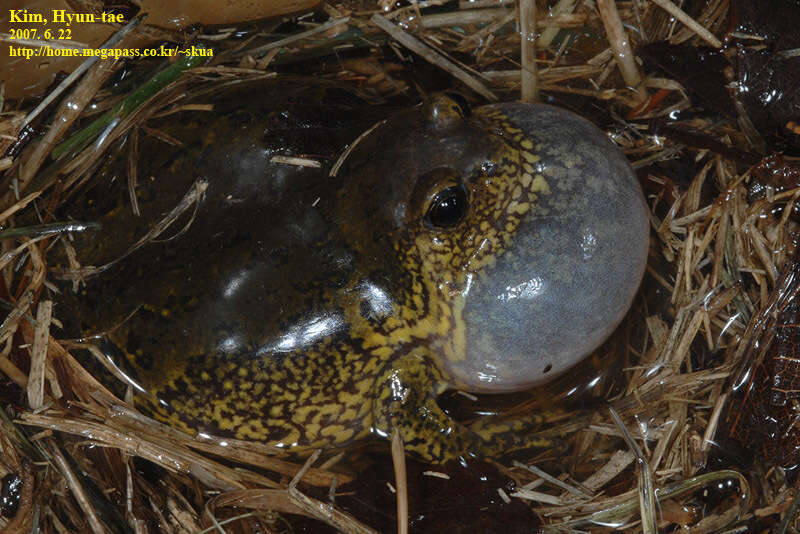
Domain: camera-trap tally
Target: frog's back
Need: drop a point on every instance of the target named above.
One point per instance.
(254, 275)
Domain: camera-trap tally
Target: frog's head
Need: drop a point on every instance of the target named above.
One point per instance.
(520, 232)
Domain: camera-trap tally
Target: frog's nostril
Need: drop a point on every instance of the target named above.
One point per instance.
(462, 103)
(446, 110)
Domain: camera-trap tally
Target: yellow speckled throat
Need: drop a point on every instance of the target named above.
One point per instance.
(487, 250)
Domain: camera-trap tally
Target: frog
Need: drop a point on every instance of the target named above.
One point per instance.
(340, 265)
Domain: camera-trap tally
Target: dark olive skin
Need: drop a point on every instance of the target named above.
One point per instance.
(435, 248)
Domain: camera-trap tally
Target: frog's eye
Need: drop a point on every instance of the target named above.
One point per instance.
(447, 208)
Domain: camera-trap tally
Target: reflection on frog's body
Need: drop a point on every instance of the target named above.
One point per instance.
(485, 250)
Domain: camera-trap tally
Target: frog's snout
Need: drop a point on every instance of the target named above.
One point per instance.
(572, 264)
